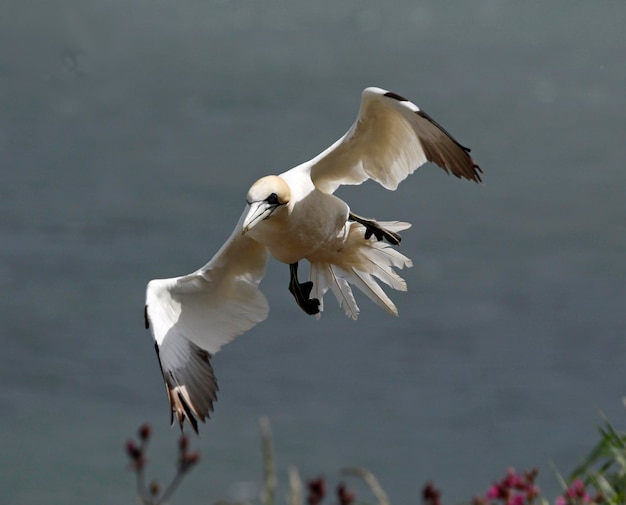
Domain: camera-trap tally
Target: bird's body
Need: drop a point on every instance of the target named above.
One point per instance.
(295, 216)
(307, 226)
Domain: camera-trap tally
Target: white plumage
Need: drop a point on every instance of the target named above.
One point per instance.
(295, 216)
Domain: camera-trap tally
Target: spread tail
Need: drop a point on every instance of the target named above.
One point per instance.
(362, 263)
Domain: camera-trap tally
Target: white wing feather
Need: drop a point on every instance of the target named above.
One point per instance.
(192, 316)
(390, 139)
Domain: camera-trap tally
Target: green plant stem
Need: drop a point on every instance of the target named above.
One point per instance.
(295, 487)
(369, 478)
(269, 471)
(171, 488)
(141, 487)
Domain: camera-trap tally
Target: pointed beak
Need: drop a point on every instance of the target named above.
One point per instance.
(257, 212)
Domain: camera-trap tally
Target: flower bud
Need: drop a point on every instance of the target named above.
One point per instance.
(144, 432)
(345, 497)
(183, 443)
(192, 458)
(155, 488)
(133, 451)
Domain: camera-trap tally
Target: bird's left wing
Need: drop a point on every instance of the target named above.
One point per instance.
(192, 316)
(389, 140)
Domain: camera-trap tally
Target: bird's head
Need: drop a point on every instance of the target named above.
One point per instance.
(264, 197)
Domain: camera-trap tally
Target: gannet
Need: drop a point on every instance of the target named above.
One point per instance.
(295, 216)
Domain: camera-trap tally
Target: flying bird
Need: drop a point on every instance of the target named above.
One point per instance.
(295, 216)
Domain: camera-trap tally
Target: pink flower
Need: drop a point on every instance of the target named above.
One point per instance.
(577, 490)
(516, 500)
(512, 480)
(513, 489)
(575, 493)
(493, 492)
(532, 492)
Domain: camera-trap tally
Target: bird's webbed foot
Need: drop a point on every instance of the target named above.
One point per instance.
(373, 228)
(301, 292)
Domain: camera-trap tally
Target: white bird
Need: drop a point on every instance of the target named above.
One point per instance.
(295, 216)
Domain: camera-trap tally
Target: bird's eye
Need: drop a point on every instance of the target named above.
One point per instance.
(272, 199)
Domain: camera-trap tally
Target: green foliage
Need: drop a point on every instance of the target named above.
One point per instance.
(604, 468)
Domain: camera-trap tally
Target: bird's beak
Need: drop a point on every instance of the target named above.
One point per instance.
(257, 212)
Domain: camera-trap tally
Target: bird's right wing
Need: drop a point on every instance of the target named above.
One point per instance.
(389, 140)
(192, 316)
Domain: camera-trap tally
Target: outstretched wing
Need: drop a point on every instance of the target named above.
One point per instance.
(390, 139)
(192, 316)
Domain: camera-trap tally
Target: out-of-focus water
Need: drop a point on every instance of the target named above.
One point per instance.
(129, 134)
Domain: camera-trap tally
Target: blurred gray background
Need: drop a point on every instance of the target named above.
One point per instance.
(130, 132)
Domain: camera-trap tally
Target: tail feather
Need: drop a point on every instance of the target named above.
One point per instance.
(360, 263)
(368, 285)
(395, 226)
(341, 289)
(384, 272)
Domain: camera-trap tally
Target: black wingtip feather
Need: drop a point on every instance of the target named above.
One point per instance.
(395, 96)
(188, 414)
(475, 168)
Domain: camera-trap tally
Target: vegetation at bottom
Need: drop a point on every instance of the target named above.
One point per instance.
(599, 480)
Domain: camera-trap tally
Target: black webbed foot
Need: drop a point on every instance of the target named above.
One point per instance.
(373, 228)
(301, 291)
